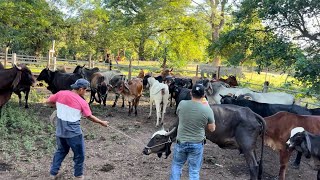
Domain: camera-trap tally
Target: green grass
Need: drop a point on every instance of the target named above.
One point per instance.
(22, 133)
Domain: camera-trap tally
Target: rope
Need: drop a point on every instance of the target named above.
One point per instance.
(120, 132)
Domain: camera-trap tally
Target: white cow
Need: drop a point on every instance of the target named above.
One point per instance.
(159, 94)
(215, 89)
(271, 97)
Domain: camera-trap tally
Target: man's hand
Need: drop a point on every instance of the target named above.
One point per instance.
(104, 123)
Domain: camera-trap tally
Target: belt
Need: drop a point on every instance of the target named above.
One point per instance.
(200, 142)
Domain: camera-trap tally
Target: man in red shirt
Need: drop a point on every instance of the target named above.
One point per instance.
(70, 107)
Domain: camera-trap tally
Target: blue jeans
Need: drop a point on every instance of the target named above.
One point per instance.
(63, 146)
(187, 151)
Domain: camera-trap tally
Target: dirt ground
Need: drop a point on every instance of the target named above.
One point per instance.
(115, 152)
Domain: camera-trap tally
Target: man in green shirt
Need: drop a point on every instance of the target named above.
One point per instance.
(194, 117)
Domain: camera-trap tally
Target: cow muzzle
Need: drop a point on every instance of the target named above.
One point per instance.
(146, 151)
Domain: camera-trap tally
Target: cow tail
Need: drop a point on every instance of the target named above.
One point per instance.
(262, 133)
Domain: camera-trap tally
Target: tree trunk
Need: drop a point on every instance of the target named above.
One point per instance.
(141, 49)
(217, 22)
(164, 63)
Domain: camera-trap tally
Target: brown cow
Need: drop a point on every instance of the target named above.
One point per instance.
(279, 127)
(141, 74)
(231, 80)
(132, 91)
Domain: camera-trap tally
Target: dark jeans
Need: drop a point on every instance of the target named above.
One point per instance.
(63, 146)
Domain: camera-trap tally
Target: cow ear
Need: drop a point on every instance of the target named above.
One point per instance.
(221, 95)
(84, 65)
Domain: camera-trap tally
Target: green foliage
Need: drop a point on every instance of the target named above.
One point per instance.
(28, 26)
(296, 21)
(21, 131)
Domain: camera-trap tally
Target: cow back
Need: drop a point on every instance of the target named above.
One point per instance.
(63, 81)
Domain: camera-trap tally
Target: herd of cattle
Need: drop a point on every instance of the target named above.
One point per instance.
(241, 115)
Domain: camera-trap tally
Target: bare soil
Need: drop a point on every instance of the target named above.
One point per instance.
(115, 152)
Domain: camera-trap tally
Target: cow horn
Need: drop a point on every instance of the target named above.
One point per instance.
(170, 132)
(221, 95)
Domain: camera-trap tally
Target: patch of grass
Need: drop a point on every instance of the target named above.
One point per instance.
(20, 132)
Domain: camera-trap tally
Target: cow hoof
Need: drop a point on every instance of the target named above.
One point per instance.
(149, 117)
(26, 107)
(114, 105)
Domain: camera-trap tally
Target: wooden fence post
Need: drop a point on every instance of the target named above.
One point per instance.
(6, 57)
(49, 57)
(130, 69)
(265, 87)
(54, 63)
(197, 69)
(218, 73)
(14, 59)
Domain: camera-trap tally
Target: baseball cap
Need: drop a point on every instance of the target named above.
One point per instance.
(198, 90)
(80, 83)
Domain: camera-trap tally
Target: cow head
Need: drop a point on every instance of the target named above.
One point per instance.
(300, 141)
(45, 75)
(160, 142)
(227, 99)
(145, 80)
(27, 78)
(102, 89)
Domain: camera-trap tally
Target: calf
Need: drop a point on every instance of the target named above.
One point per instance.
(278, 131)
(97, 85)
(307, 144)
(159, 94)
(236, 128)
(132, 91)
(112, 79)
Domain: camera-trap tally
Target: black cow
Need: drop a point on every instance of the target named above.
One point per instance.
(85, 72)
(57, 80)
(181, 93)
(175, 83)
(264, 109)
(315, 111)
(10, 79)
(307, 144)
(236, 128)
(23, 86)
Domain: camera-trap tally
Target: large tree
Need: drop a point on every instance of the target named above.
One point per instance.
(297, 21)
(28, 26)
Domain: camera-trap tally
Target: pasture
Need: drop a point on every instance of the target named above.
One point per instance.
(115, 152)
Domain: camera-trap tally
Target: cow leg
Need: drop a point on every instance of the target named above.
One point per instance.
(150, 110)
(171, 100)
(318, 175)
(163, 110)
(104, 100)
(296, 162)
(129, 108)
(136, 104)
(158, 113)
(116, 100)
(26, 97)
(247, 144)
(92, 97)
(284, 159)
(19, 95)
(122, 101)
